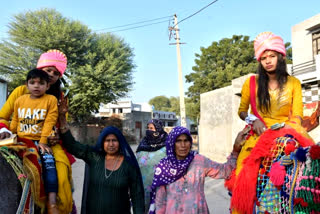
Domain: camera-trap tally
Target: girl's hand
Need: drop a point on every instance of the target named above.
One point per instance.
(43, 148)
(258, 127)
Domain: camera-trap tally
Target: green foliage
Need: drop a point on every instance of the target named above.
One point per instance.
(106, 76)
(160, 103)
(289, 53)
(35, 32)
(218, 64)
(99, 68)
(172, 104)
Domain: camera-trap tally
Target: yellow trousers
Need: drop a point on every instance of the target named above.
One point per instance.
(64, 173)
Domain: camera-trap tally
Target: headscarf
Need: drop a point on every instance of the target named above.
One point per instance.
(154, 140)
(268, 41)
(170, 168)
(125, 149)
(53, 58)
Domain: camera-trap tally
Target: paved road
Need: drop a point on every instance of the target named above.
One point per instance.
(216, 195)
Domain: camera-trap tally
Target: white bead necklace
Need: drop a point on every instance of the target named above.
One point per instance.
(114, 166)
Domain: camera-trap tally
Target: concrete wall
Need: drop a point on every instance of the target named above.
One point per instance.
(219, 121)
(129, 123)
(315, 134)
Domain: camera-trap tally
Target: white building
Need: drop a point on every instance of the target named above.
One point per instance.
(121, 107)
(134, 117)
(169, 119)
(306, 57)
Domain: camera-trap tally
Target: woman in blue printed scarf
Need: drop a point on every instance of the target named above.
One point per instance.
(178, 183)
(150, 151)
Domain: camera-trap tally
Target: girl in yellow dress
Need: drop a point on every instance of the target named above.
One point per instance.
(274, 97)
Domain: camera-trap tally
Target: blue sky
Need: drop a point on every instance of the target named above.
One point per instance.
(156, 61)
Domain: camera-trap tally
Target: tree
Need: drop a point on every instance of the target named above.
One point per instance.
(172, 104)
(289, 53)
(106, 76)
(175, 105)
(218, 64)
(191, 108)
(35, 32)
(99, 69)
(160, 103)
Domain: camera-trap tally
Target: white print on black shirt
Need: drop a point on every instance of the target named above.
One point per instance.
(29, 119)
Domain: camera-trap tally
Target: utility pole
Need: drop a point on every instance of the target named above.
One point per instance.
(181, 91)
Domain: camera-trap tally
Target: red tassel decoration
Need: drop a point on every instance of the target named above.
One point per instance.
(277, 174)
(289, 148)
(300, 201)
(314, 152)
(246, 180)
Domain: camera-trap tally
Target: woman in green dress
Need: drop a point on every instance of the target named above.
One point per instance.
(114, 176)
(150, 151)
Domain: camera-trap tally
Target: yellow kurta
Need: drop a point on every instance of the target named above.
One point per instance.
(62, 163)
(286, 106)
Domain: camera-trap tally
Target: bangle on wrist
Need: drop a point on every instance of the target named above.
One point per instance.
(250, 118)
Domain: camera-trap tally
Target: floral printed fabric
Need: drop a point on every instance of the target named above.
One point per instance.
(186, 195)
(147, 162)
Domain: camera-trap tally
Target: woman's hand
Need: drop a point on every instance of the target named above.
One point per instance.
(54, 138)
(43, 148)
(63, 109)
(238, 143)
(63, 106)
(258, 127)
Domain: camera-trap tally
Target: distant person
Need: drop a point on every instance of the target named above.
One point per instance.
(114, 176)
(178, 183)
(150, 151)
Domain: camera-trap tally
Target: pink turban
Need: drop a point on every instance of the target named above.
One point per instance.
(53, 58)
(268, 41)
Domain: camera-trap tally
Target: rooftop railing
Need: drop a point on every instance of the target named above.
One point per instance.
(303, 68)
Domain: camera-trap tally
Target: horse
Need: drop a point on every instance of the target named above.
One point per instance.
(12, 180)
(10, 188)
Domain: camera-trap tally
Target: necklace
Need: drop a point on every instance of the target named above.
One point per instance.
(114, 166)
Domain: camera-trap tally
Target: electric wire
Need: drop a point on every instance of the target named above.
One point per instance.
(138, 26)
(125, 29)
(120, 26)
(196, 12)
